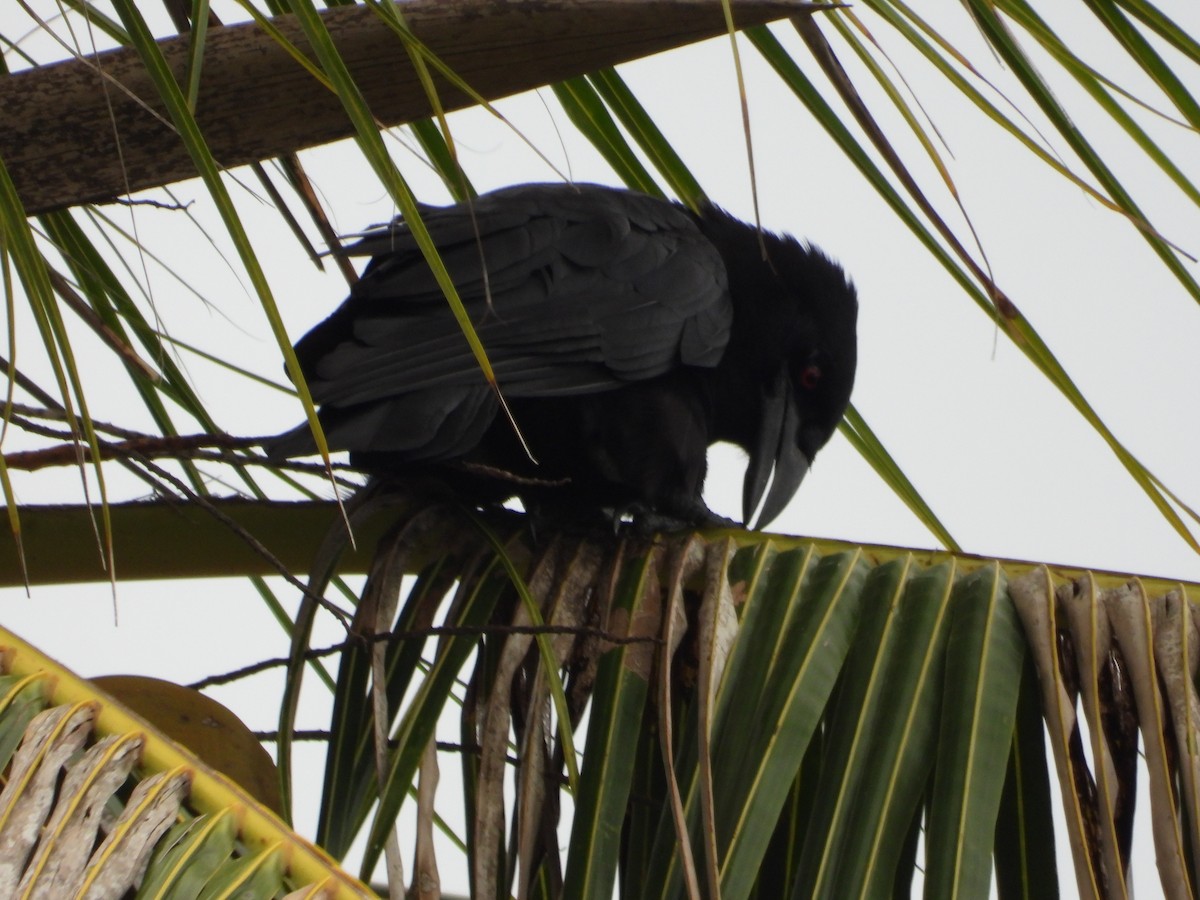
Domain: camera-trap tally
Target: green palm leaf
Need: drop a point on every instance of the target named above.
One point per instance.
(757, 715)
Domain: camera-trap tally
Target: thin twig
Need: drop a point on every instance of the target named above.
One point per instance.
(320, 734)
(157, 204)
(58, 414)
(210, 447)
(423, 634)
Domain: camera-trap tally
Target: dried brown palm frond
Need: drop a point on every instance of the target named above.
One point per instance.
(97, 803)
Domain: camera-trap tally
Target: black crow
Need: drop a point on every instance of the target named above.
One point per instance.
(627, 335)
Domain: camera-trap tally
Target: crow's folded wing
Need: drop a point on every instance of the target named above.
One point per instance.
(586, 288)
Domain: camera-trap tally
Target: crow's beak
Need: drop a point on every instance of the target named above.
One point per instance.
(777, 453)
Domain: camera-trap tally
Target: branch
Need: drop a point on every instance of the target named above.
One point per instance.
(188, 446)
(165, 539)
(257, 102)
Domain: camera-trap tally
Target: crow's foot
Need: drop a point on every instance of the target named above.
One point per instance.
(643, 520)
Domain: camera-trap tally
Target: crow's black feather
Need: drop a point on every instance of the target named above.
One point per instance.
(627, 335)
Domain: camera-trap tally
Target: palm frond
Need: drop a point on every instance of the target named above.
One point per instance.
(133, 809)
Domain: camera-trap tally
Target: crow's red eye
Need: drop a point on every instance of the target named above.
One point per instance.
(810, 377)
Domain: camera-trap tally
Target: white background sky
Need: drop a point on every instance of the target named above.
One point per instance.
(1000, 456)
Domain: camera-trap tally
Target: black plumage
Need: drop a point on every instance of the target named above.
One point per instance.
(627, 335)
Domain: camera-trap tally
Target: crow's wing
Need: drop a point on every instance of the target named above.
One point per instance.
(589, 288)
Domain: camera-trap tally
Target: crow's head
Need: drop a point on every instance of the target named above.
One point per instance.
(806, 391)
(790, 360)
